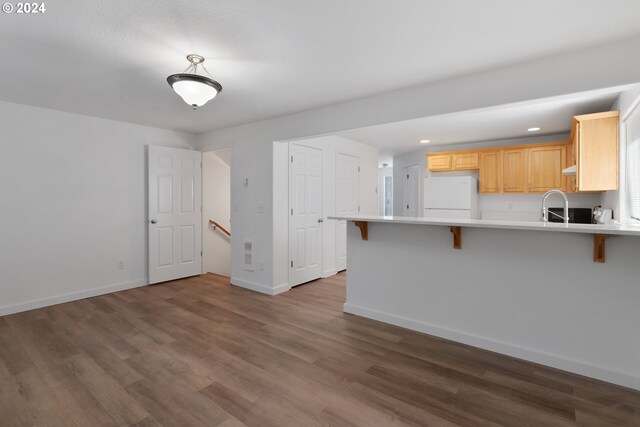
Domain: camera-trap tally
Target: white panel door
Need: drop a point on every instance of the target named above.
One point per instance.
(410, 191)
(305, 199)
(175, 213)
(347, 201)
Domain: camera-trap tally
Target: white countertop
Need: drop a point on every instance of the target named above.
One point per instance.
(628, 230)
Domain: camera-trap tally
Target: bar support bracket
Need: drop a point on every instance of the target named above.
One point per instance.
(457, 236)
(364, 230)
(599, 247)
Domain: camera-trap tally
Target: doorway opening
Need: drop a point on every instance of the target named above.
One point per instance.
(388, 195)
(385, 189)
(216, 212)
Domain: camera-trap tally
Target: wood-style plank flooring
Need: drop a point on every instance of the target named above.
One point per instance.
(202, 352)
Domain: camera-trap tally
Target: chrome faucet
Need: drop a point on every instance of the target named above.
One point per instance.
(546, 195)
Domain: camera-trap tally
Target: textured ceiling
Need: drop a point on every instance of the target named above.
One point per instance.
(110, 59)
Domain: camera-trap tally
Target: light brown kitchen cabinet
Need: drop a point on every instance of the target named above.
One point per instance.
(544, 168)
(439, 162)
(537, 168)
(596, 142)
(465, 161)
(443, 161)
(513, 171)
(490, 165)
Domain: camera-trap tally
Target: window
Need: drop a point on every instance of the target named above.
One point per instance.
(633, 161)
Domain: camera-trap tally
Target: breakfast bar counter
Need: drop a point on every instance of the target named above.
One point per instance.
(543, 292)
(508, 225)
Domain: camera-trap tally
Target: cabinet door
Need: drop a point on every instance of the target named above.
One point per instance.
(439, 162)
(545, 168)
(513, 171)
(465, 161)
(597, 154)
(490, 172)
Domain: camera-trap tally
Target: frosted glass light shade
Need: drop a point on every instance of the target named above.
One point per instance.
(195, 90)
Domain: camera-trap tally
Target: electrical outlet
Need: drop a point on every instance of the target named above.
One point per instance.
(120, 265)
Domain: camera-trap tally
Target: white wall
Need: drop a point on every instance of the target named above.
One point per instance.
(216, 205)
(536, 295)
(253, 143)
(74, 204)
(382, 173)
(527, 207)
(524, 207)
(330, 146)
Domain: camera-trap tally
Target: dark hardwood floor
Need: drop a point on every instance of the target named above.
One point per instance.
(201, 352)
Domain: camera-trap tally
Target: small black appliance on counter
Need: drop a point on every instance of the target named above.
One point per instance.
(576, 215)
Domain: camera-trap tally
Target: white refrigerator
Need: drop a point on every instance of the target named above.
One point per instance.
(453, 197)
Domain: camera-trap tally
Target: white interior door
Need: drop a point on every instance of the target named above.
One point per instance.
(305, 201)
(410, 191)
(347, 201)
(175, 213)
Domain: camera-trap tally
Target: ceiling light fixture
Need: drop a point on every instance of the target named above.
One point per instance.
(533, 129)
(195, 90)
(424, 141)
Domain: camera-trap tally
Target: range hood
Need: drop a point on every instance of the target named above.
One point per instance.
(570, 171)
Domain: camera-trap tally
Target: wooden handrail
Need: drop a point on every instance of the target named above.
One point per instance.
(216, 225)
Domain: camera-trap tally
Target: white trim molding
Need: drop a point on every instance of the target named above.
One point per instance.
(624, 379)
(329, 273)
(257, 287)
(73, 296)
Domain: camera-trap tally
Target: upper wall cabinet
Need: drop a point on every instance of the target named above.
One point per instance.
(442, 162)
(544, 168)
(595, 141)
(513, 171)
(465, 161)
(534, 168)
(490, 177)
(537, 168)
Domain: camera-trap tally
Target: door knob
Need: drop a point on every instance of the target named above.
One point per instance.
(320, 220)
(154, 221)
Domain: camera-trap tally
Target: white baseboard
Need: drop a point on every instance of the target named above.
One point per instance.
(73, 296)
(281, 288)
(532, 355)
(329, 273)
(260, 288)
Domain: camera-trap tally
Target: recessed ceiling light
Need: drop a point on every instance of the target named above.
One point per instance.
(533, 129)
(424, 141)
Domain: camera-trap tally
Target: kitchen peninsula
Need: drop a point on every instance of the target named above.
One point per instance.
(563, 295)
